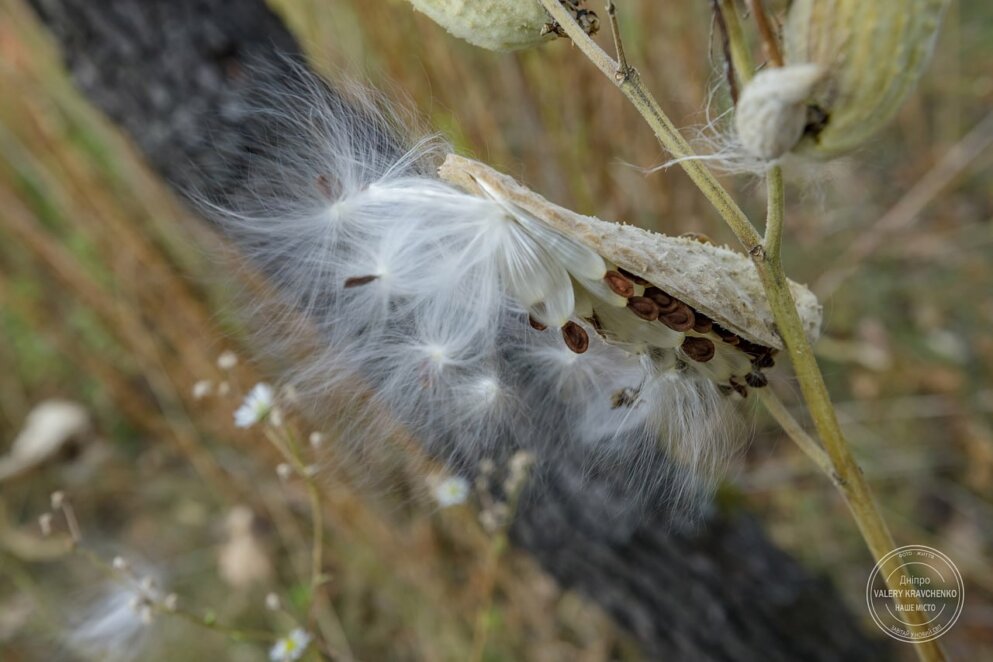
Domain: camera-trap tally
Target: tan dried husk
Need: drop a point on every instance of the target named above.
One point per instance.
(874, 52)
(717, 281)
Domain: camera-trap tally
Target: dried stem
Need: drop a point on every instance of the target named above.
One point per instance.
(767, 261)
(795, 431)
(729, 66)
(741, 56)
(327, 619)
(622, 62)
(770, 45)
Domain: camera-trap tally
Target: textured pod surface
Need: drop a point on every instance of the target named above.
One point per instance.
(874, 53)
(717, 281)
(492, 24)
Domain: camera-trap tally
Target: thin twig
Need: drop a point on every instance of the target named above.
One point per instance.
(770, 44)
(775, 212)
(741, 56)
(622, 63)
(795, 431)
(729, 67)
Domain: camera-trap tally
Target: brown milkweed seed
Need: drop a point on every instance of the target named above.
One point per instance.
(764, 360)
(680, 319)
(725, 335)
(702, 323)
(355, 281)
(575, 337)
(636, 279)
(698, 349)
(535, 324)
(666, 303)
(756, 379)
(644, 308)
(619, 284)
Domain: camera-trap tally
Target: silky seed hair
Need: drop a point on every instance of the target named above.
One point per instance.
(472, 319)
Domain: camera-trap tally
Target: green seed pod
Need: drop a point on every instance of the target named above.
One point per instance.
(500, 25)
(873, 53)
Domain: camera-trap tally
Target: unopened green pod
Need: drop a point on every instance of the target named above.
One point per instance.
(872, 52)
(501, 25)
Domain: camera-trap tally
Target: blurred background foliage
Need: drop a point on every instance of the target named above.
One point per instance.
(110, 297)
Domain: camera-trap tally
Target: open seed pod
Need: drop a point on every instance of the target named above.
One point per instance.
(873, 54)
(674, 299)
(500, 25)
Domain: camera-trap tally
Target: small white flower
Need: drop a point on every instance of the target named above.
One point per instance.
(291, 647)
(256, 407)
(284, 471)
(202, 389)
(223, 388)
(120, 564)
(227, 360)
(451, 491)
(316, 439)
(58, 499)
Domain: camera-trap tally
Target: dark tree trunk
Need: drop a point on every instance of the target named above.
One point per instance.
(171, 73)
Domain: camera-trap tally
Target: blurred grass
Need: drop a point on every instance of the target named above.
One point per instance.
(107, 297)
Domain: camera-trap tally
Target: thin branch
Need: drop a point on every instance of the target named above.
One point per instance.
(770, 44)
(622, 63)
(741, 56)
(795, 431)
(775, 213)
(729, 66)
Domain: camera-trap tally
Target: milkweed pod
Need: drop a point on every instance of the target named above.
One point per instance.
(500, 25)
(873, 53)
(672, 290)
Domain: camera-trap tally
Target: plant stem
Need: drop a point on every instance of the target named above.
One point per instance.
(795, 431)
(770, 45)
(666, 132)
(850, 480)
(847, 474)
(741, 57)
(775, 211)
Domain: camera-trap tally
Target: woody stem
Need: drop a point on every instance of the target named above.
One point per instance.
(765, 254)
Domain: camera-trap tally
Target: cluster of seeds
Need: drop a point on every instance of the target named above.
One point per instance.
(691, 334)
